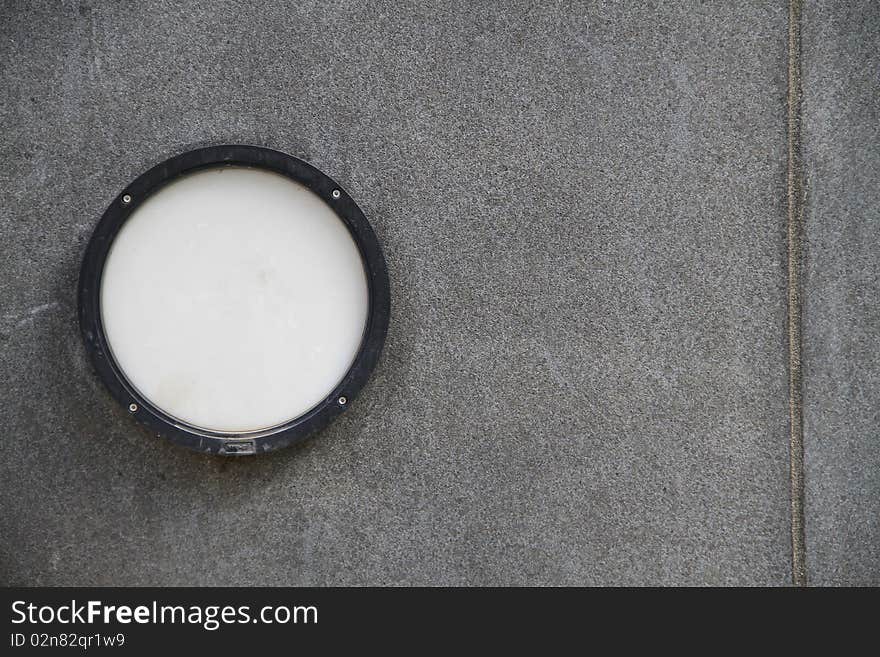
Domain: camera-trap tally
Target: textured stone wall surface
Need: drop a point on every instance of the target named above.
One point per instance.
(583, 210)
(841, 132)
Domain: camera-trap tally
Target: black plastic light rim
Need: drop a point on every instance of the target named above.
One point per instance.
(181, 433)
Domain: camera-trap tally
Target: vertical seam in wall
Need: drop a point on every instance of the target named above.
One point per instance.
(795, 235)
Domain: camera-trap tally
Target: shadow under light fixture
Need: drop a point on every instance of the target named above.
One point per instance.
(234, 299)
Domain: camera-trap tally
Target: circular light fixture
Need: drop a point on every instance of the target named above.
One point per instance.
(234, 299)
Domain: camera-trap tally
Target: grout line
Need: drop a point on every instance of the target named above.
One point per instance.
(795, 229)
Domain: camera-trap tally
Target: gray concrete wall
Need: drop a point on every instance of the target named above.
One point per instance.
(583, 211)
(842, 286)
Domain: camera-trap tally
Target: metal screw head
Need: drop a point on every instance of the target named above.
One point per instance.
(336, 193)
(132, 407)
(126, 199)
(343, 401)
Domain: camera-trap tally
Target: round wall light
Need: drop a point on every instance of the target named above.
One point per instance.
(234, 299)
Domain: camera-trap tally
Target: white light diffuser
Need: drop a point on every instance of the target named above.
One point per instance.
(234, 299)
